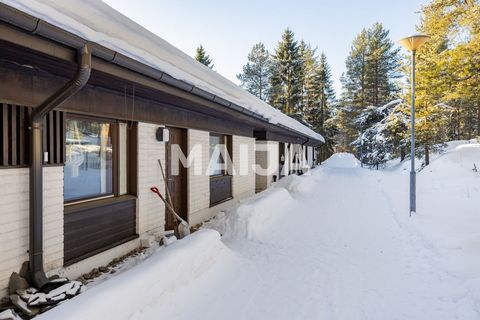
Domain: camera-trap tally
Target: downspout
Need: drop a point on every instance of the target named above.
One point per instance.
(37, 274)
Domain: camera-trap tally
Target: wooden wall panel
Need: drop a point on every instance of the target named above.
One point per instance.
(14, 136)
(96, 226)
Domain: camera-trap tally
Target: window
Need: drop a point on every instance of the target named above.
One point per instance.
(89, 159)
(217, 149)
(220, 181)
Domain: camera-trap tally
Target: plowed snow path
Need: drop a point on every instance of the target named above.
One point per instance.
(335, 253)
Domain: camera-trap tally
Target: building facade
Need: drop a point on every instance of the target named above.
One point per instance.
(86, 199)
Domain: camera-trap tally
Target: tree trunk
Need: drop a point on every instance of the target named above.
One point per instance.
(478, 120)
(402, 154)
(427, 155)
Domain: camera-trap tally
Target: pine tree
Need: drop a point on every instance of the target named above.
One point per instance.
(447, 74)
(382, 69)
(202, 57)
(256, 73)
(285, 83)
(353, 97)
(354, 81)
(373, 66)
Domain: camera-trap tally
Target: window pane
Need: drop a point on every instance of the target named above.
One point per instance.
(88, 166)
(216, 165)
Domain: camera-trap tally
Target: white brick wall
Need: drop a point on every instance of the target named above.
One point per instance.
(14, 221)
(310, 156)
(198, 185)
(243, 185)
(151, 210)
(265, 159)
(53, 217)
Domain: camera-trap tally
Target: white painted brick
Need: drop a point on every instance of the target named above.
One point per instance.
(243, 185)
(264, 159)
(198, 185)
(151, 210)
(14, 221)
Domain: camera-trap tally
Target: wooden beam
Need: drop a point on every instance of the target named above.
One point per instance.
(5, 139)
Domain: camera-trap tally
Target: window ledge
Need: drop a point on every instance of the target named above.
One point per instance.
(74, 207)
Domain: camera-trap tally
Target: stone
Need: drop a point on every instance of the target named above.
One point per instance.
(75, 289)
(22, 306)
(103, 269)
(25, 271)
(17, 283)
(27, 293)
(58, 298)
(147, 241)
(37, 299)
(9, 315)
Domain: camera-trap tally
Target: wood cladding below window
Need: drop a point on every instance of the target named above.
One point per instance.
(220, 189)
(96, 226)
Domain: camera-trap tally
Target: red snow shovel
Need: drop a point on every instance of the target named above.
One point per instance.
(181, 229)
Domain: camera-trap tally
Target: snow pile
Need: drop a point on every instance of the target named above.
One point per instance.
(147, 283)
(296, 184)
(342, 160)
(349, 250)
(449, 206)
(95, 21)
(250, 219)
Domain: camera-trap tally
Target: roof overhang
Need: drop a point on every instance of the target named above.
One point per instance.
(41, 36)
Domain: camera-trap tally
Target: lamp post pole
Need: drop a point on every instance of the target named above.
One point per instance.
(412, 43)
(413, 200)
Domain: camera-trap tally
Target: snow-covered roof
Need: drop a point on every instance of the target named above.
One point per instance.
(95, 21)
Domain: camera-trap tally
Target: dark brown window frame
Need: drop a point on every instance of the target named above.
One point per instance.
(227, 142)
(222, 178)
(115, 157)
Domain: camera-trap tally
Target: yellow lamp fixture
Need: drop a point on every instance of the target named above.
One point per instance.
(413, 42)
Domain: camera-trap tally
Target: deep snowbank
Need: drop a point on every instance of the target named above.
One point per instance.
(251, 218)
(338, 244)
(342, 160)
(145, 284)
(448, 205)
(296, 184)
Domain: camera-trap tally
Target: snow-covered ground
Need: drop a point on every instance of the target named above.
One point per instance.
(334, 245)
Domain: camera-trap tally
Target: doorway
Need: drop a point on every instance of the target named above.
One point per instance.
(176, 183)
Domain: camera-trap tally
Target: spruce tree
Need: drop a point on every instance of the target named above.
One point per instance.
(285, 83)
(308, 80)
(202, 57)
(321, 115)
(256, 73)
(326, 92)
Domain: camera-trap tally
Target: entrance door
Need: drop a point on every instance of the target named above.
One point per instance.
(177, 183)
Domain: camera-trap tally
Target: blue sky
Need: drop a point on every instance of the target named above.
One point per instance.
(229, 29)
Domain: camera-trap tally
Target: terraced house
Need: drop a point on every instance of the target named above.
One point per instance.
(89, 102)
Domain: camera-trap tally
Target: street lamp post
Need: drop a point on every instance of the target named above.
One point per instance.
(412, 43)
